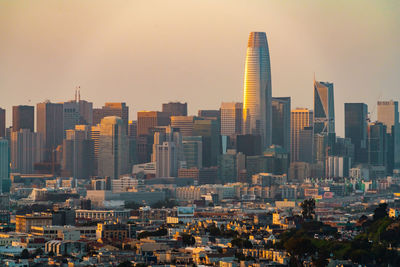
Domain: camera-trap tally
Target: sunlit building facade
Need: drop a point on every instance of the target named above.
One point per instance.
(257, 111)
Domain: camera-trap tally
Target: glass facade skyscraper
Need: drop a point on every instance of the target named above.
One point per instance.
(257, 111)
(324, 108)
(355, 128)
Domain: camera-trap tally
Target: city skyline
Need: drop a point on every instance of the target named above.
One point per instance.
(113, 59)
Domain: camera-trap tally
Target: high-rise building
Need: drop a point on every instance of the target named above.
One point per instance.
(193, 151)
(388, 114)
(113, 148)
(77, 112)
(49, 123)
(324, 108)
(78, 153)
(184, 124)
(132, 129)
(94, 134)
(150, 119)
(23, 117)
(168, 152)
(2, 122)
(209, 114)
(306, 145)
(119, 109)
(166, 160)
(300, 118)
(26, 149)
(377, 144)
(209, 131)
(231, 118)
(355, 128)
(4, 166)
(175, 108)
(257, 110)
(248, 144)
(281, 122)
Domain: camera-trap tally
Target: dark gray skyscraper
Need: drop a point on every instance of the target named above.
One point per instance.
(2, 122)
(355, 127)
(281, 113)
(23, 118)
(257, 93)
(50, 125)
(377, 144)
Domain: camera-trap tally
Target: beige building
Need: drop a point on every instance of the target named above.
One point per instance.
(231, 118)
(184, 123)
(300, 118)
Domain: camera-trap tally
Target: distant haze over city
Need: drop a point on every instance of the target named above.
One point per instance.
(149, 52)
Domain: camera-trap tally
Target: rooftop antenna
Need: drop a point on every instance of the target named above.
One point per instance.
(79, 93)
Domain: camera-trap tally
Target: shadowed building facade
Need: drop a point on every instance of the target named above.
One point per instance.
(355, 128)
(281, 113)
(23, 117)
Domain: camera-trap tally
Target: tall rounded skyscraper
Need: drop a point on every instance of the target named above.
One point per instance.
(257, 97)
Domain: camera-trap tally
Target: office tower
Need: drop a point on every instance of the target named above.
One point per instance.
(78, 153)
(208, 175)
(248, 144)
(209, 114)
(168, 152)
(77, 112)
(150, 119)
(377, 144)
(300, 118)
(305, 145)
(257, 115)
(132, 129)
(231, 118)
(281, 122)
(388, 114)
(5, 182)
(193, 151)
(94, 135)
(2, 122)
(166, 160)
(184, 124)
(175, 108)
(355, 128)
(23, 117)
(26, 149)
(209, 131)
(324, 108)
(112, 109)
(71, 115)
(227, 167)
(49, 123)
(132, 137)
(113, 148)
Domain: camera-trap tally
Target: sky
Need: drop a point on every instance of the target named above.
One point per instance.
(150, 52)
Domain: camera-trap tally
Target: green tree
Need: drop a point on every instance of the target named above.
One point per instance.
(380, 212)
(308, 209)
(25, 254)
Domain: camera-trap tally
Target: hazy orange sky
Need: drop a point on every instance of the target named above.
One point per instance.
(149, 52)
